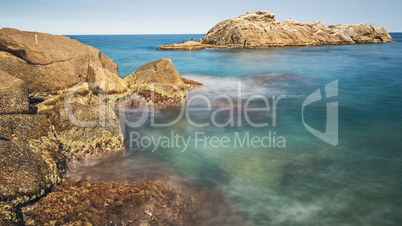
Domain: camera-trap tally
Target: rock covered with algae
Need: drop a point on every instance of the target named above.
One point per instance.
(83, 203)
(88, 132)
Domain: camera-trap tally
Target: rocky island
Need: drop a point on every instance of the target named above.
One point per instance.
(261, 30)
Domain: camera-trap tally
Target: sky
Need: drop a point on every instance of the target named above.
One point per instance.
(78, 17)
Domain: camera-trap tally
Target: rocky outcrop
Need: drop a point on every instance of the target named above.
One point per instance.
(36, 149)
(52, 62)
(261, 30)
(158, 80)
(74, 89)
(29, 167)
(13, 95)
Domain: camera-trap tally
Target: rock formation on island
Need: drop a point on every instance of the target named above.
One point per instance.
(261, 30)
(59, 101)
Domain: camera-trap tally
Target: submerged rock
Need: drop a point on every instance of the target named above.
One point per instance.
(261, 30)
(83, 203)
(52, 62)
(13, 95)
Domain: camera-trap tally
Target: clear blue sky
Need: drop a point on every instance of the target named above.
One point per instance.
(183, 16)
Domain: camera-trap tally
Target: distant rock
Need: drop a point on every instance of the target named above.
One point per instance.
(261, 30)
(160, 80)
(14, 96)
(189, 46)
(52, 62)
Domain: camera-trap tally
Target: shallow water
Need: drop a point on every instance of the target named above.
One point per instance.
(308, 182)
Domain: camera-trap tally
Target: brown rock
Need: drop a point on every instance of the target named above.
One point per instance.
(9, 55)
(24, 175)
(34, 133)
(105, 79)
(23, 128)
(159, 76)
(38, 78)
(57, 62)
(14, 97)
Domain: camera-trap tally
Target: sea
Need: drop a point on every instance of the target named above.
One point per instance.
(284, 136)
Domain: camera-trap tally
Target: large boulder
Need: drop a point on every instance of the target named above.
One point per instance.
(22, 128)
(261, 30)
(34, 133)
(55, 62)
(13, 95)
(31, 162)
(160, 79)
(24, 175)
(38, 78)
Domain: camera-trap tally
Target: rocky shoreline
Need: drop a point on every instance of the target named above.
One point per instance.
(59, 101)
(261, 30)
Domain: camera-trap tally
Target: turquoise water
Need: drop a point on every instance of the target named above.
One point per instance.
(308, 182)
